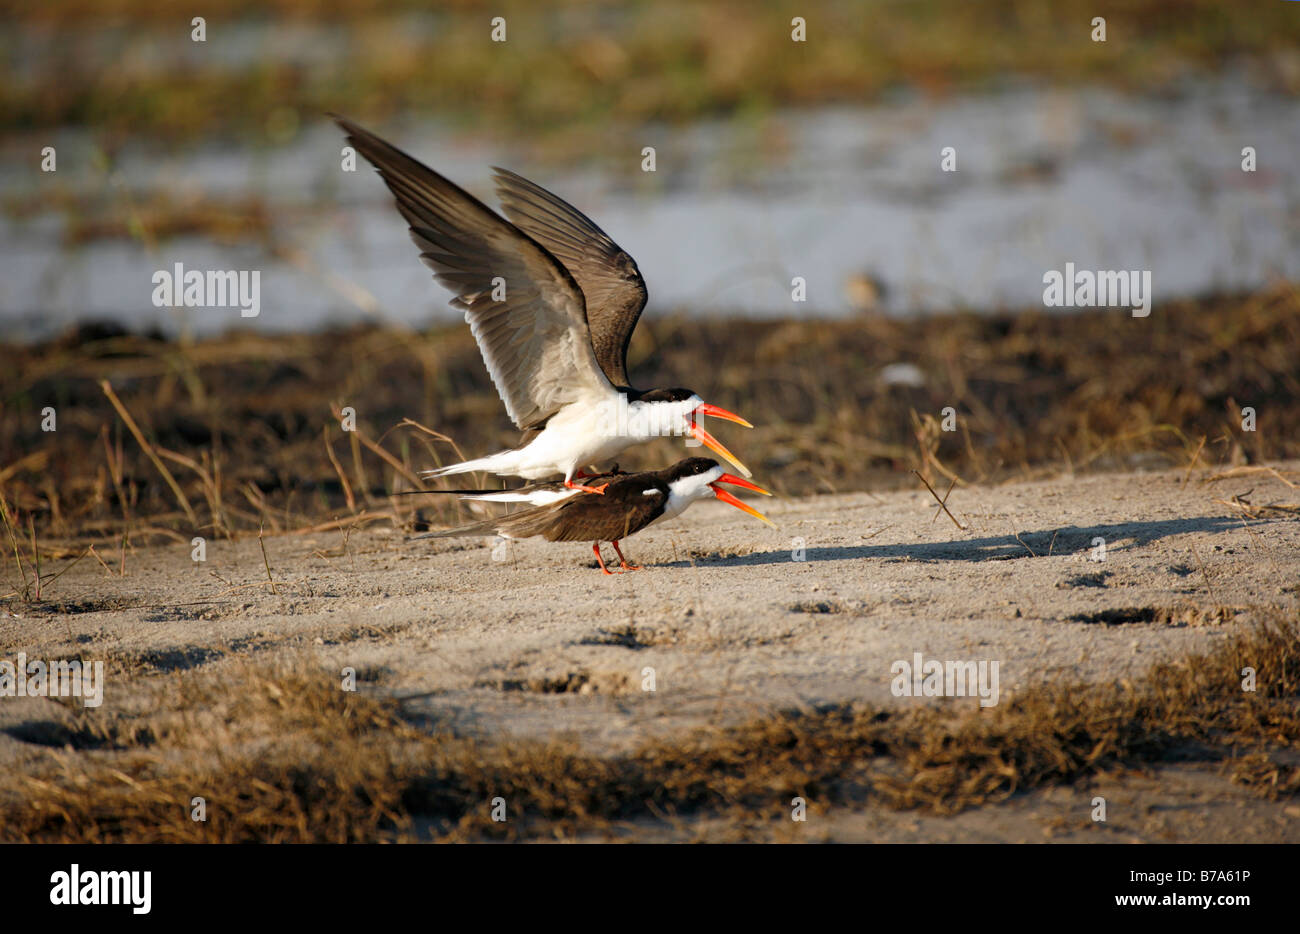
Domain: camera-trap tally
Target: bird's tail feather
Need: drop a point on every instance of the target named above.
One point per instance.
(493, 463)
(525, 523)
(483, 527)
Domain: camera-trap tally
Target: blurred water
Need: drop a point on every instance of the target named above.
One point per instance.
(733, 213)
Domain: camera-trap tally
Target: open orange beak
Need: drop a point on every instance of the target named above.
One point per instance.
(726, 497)
(694, 430)
(745, 484)
(705, 408)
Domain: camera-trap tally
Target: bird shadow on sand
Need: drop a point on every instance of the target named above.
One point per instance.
(1065, 540)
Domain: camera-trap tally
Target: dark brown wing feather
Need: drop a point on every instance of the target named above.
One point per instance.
(626, 507)
(536, 343)
(608, 276)
(630, 503)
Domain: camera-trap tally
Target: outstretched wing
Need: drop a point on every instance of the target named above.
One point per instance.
(608, 276)
(535, 340)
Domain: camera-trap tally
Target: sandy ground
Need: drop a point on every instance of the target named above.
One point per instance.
(533, 640)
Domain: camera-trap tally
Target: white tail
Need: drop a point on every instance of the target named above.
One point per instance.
(493, 463)
(534, 497)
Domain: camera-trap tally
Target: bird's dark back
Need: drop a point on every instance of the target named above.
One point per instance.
(629, 504)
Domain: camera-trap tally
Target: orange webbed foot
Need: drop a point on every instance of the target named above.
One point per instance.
(623, 561)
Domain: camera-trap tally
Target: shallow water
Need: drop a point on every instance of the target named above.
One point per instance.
(733, 213)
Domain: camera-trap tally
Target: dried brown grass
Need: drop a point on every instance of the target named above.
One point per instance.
(283, 754)
(224, 437)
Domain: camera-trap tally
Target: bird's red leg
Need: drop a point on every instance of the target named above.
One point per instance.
(623, 561)
(596, 548)
(586, 489)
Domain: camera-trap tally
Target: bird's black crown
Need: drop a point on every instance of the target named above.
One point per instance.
(693, 466)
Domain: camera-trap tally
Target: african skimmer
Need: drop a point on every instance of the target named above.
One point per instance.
(631, 502)
(552, 302)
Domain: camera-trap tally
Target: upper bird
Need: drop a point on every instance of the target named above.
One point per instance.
(552, 302)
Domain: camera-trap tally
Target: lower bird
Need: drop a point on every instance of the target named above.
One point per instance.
(631, 502)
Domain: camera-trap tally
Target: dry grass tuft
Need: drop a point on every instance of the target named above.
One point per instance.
(285, 755)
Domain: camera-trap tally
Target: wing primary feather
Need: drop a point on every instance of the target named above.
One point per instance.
(608, 276)
(536, 344)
